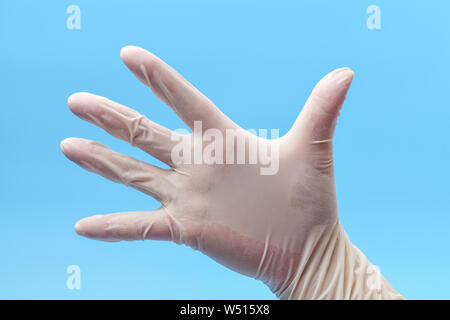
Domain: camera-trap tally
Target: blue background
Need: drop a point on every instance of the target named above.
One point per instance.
(258, 61)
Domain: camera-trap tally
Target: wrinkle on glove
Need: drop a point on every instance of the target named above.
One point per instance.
(281, 228)
(330, 267)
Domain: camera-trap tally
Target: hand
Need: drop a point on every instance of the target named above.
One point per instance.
(276, 222)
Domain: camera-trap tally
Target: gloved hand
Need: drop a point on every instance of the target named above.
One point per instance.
(281, 227)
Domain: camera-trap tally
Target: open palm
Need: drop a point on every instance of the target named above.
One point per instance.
(273, 224)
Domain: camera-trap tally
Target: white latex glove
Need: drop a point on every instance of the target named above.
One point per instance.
(282, 229)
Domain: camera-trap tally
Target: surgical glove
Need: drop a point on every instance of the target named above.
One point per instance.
(278, 224)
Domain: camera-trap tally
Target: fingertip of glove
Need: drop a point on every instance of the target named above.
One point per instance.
(342, 70)
(342, 76)
(128, 51)
(64, 145)
(123, 51)
(70, 146)
(79, 228)
(79, 99)
(75, 98)
(95, 228)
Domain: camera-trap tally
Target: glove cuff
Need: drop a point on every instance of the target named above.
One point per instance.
(330, 267)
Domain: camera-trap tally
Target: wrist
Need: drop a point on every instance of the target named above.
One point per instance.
(330, 267)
